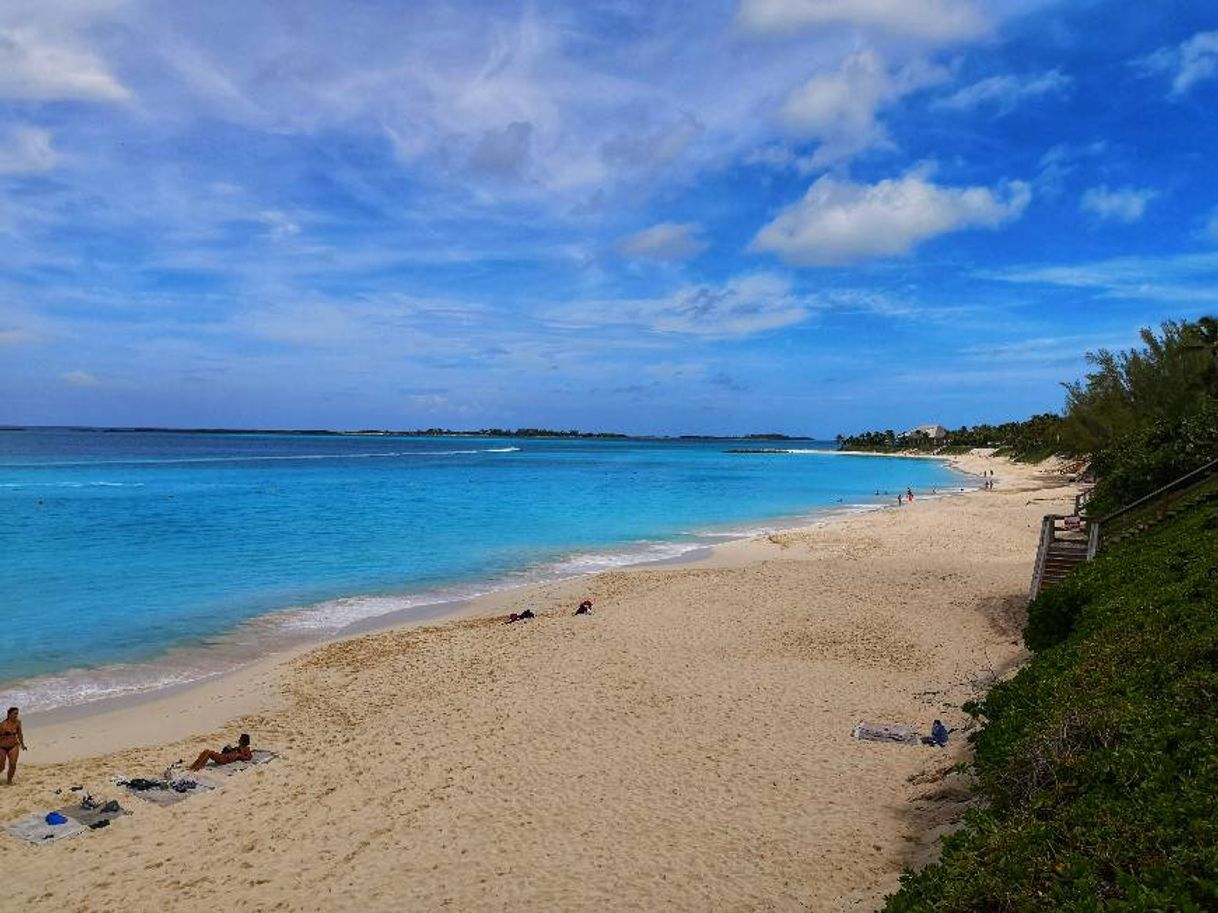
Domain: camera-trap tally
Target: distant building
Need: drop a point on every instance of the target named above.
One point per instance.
(936, 433)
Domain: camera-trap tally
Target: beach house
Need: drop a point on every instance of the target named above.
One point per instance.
(936, 433)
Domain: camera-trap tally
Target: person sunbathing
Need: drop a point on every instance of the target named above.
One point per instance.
(585, 608)
(227, 755)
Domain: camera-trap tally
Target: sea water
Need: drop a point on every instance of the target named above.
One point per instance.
(130, 560)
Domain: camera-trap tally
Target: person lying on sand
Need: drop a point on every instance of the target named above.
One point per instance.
(585, 608)
(227, 755)
(527, 613)
(12, 742)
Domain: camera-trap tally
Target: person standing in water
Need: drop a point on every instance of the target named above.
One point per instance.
(12, 741)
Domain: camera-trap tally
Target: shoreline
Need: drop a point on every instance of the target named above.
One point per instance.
(255, 641)
(174, 711)
(687, 746)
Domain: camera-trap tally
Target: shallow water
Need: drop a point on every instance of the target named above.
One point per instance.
(123, 556)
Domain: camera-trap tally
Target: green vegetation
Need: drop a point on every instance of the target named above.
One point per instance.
(1098, 761)
(1031, 440)
(1143, 417)
(1147, 416)
(1096, 765)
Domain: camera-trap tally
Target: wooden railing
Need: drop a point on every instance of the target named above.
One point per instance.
(1148, 508)
(1095, 531)
(1056, 528)
(1042, 553)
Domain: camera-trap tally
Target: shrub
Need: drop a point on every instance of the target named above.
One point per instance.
(1053, 614)
(1096, 764)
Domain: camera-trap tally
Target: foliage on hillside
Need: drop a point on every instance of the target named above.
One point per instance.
(1097, 762)
(1148, 415)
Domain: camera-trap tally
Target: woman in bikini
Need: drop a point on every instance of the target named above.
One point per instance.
(12, 740)
(228, 755)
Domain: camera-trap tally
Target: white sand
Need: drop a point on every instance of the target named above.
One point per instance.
(687, 747)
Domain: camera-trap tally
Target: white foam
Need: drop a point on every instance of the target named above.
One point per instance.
(256, 458)
(71, 484)
(326, 619)
(84, 686)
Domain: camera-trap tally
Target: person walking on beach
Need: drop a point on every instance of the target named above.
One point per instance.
(12, 741)
(909, 495)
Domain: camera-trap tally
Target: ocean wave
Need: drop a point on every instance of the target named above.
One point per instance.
(307, 624)
(332, 616)
(586, 563)
(173, 461)
(86, 686)
(15, 485)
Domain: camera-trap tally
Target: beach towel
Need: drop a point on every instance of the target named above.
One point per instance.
(885, 732)
(34, 829)
(163, 792)
(89, 817)
(260, 757)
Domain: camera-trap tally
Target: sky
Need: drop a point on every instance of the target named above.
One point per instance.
(804, 216)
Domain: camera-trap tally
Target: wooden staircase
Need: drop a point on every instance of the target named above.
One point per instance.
(1063, 556)
(1066, 542)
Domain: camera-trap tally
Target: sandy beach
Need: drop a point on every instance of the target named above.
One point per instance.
(685, 747)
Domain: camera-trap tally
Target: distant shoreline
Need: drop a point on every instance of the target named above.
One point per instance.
(530, 433)
(900, 455)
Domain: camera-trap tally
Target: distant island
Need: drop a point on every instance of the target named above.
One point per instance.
(429, 432)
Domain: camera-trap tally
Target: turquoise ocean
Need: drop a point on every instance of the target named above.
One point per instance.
(135, 560)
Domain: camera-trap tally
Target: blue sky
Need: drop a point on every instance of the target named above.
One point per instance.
(810, 216)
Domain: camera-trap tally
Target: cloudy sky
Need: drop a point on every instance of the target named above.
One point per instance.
(736, 215)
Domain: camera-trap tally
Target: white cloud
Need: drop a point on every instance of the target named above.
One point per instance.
(80, 379)
(1060, 162)
(27, 150)
(1004, 93)
(1124, 204)
(1188, 63)
(841, 104)
(665, 241)
(37, 67)
(840, 222)
(743, 306)
(932, 19)
(1185, 279)
(839, 109)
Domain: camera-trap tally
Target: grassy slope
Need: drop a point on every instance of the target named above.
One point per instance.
(1098, 766)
